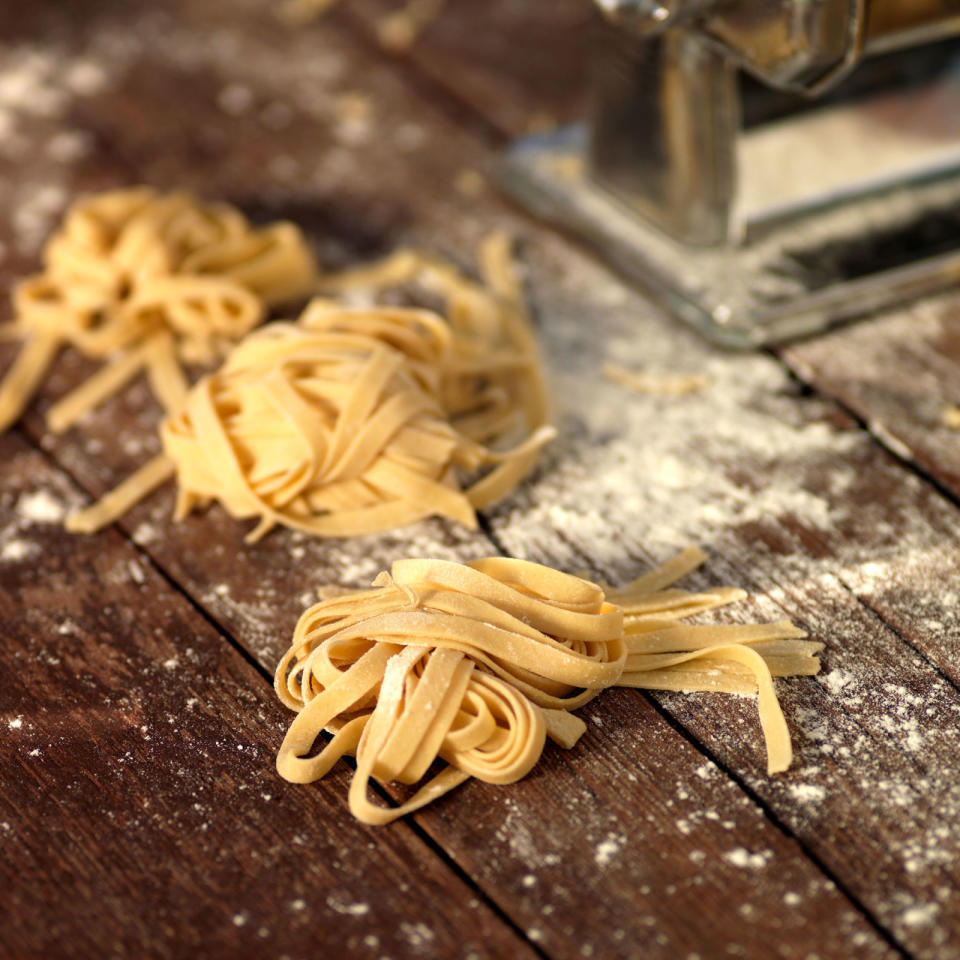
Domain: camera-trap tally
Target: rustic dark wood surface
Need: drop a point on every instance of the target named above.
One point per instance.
(136, 818)
(133, 823)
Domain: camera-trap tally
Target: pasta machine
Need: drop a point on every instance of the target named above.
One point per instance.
(766, 168)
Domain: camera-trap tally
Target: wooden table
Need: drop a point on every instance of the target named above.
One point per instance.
(140, 814)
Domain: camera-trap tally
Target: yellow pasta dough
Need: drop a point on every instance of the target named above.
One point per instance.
(146, 280)
(357, 420)
(474, 665)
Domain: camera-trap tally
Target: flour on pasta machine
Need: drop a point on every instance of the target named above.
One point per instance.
(766, 168)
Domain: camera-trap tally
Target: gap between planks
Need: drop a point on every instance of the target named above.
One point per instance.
(768, 811)
(238, 647)
(111, 678)
(420, 832)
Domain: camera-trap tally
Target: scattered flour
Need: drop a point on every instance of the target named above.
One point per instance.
(40, 83)
(807, 792)
(348, 909)
(836, 680)
(920, 916)
(40, 507)
(145, 533)
(67, 146)
(34, 216)
(609, 848)
(85, 78)
(14, 550)
(235, 99)
(743, 858)
(666, 471)
(416, 934)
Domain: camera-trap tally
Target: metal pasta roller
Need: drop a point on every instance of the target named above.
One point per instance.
(767, 168)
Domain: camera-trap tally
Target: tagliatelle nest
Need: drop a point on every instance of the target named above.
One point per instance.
(476, 664)
(357, 420)
(147, 280)
(334, 426)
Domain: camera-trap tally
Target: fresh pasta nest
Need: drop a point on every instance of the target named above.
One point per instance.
(148, 280)
(474, 665)
(334, 425)
(357, 420)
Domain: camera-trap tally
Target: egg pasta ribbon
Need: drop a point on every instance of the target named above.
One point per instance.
(355, 420)
(145, 280)
(470, 667)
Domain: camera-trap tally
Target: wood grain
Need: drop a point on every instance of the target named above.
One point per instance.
(520, 66)
(796, 505)
(599, 851)
(139, 814)
(899, 373)
(493, 833)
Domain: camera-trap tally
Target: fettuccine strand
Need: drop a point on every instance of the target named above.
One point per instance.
(474, 665)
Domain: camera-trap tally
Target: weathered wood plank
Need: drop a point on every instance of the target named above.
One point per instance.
(623, 883)
(899, 373)
(520, 65)
(795, 503)
(666, 848)
(138, 813)
(633, 784)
